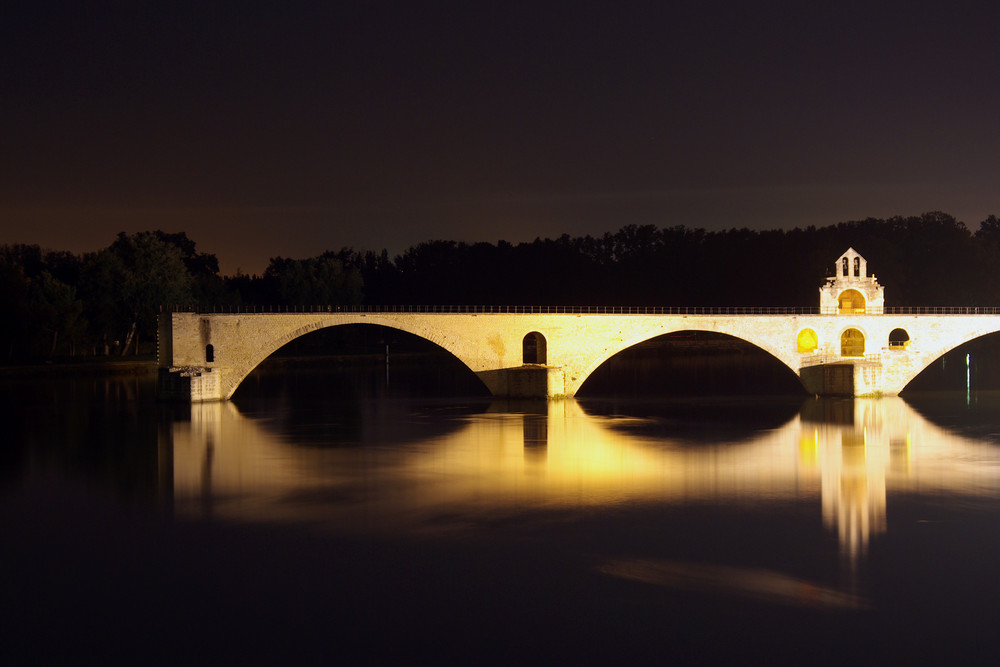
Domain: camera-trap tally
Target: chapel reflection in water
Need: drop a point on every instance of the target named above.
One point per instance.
(846, 454)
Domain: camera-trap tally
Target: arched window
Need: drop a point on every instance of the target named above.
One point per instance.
(807, 341)
(845, 267)
(209, 353)
(533, 349)
(899, 339)
(857, 267)
(852, 343)
(851, 302)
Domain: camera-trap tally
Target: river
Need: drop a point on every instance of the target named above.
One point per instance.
(343, 512)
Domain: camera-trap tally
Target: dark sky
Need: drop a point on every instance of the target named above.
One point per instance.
(290, 128)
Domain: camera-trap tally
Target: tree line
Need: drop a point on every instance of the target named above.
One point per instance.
(55, 303)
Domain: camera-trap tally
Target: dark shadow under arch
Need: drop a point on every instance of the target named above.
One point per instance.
(697, 419)
(349, 361)
(950, 371)
(687, 363)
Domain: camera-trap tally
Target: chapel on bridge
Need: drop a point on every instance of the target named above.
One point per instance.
(850, 290)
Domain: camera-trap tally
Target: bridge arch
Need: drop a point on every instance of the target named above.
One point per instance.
(633, 344)
(264, 351)
(926, 359)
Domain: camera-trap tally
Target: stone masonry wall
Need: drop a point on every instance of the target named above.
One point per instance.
(576, 344)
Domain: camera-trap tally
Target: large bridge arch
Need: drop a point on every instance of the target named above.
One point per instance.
(240, 352)
(246, 370)
(924, 360)
(690, 361)
(782, 353)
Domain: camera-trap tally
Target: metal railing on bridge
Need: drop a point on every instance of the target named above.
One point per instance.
(818, 359)
(584, 310)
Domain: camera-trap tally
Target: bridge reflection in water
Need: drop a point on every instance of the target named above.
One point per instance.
(846, 454)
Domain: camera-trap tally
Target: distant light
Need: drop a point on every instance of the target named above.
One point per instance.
(968, 376)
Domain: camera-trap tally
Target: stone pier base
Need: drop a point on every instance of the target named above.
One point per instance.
(527, 381)
(188, 383)
(196, 384)
(848, 378)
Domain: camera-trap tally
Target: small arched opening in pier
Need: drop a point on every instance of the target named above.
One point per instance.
(807, 341)
(533, 349)
(899, 339)
(209, 353)
(852, 343)
(851, 302)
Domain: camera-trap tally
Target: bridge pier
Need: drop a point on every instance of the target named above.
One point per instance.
(527, 381)
(844, 378)
(194, 384)
(197, 384)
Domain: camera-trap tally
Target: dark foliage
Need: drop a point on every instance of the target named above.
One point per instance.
(55, 303)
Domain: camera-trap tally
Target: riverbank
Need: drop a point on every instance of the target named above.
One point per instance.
(138, 366)
(144, 365)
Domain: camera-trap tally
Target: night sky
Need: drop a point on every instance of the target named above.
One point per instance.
(265, 129)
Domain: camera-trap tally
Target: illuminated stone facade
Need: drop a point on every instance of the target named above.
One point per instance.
(492, 345)
(850, 290)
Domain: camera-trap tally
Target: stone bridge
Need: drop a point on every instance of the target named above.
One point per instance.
(206, 356)
(851, 345)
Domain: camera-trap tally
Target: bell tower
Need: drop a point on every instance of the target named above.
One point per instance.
(850, 290)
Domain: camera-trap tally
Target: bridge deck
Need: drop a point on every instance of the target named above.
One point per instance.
(243, 309)
(223, 345)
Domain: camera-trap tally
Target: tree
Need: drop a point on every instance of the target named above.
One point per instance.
(126, 284)
(315, 281)
(13, 305)
(989, 230)
(207, 286)
(54, 310)
(155, 276)
(101, 277)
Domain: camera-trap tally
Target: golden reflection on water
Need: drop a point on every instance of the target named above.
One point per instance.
(845, 455)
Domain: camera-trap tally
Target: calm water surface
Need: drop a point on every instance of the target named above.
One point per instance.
(323, 514)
